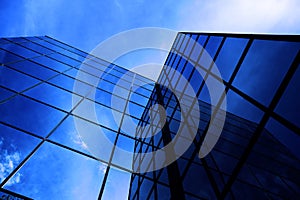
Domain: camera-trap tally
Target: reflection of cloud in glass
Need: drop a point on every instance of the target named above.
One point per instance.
(9, 158)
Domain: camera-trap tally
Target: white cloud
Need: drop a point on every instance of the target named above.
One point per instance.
(241, 16)
(103, 168)
(77, 140)
(8, 162)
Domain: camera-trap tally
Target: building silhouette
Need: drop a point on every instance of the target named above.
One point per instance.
(256, 156)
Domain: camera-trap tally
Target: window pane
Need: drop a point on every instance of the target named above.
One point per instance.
(33, 69)
(60, 175)
(264, 68)
(30, 115)
(6, 57)
(117, 185)
(15, 80)
(14, 147)
(229, 56)
(289, 104)
(19, 50)
(53, 64)
(53, 96)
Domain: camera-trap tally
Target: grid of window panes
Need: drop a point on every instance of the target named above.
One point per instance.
(257, 155)
(42, 154)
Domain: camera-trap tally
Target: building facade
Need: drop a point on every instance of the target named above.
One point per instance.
(45, 156)
(253, 157)
(42, 154)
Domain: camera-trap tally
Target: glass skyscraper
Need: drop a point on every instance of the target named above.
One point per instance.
(253, 158)
(44, 157)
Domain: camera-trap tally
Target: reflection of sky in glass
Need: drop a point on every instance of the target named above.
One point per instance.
(14, 147)
(53, 170)
(55, 173)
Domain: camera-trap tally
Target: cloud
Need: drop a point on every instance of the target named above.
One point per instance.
(241, 16)
(77, 140)
(8, 161)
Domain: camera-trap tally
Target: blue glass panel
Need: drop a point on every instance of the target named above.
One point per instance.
(33, 69)
(51, 63)
(15, 80)
(242, 108)
(53, 96)
(117, 186)
(19, 50)
(68, 83)
(4, 94)
(30, 115)
(264, 67)
(65, 59)
(135, 110)
(6, 57)
(289, 104)
(104, 115)
(213, 45)
(14, 147)
(287, 137)
(37, 48)
(247, 192)
(184, 43)
(145, 188)
(3, 41)
(138, 99)
(46, 44)
(225, 163)
(163, 192)
(65, 46)
(60, 175)
(196, 174)
(272, 183)
(68, 135)
(229, 56)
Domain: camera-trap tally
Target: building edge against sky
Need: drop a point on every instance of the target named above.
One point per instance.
(258, 115)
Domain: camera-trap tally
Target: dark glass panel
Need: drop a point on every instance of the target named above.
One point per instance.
(229, 56)
(287, 137)
(242, 108)
(289, 104)
(163, 192)
(264, 68)
(196, 174)
(247, 192)
(145, 188)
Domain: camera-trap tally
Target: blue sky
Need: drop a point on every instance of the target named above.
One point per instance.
(84, 24)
